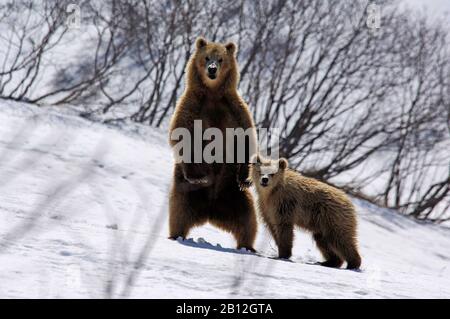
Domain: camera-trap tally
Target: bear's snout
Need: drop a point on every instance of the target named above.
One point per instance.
(212, 70)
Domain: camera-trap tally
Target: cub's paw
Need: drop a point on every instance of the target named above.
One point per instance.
(331, 263)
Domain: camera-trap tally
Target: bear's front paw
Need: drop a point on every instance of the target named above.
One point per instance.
(245, 184)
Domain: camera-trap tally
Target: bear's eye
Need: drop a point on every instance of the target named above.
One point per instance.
(220, 60)
(207, 59)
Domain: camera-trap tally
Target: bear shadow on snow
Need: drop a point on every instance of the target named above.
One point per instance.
(206, 245)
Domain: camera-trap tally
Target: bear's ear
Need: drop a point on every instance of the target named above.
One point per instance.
(200, 42)
(283, 163)
(231, 48)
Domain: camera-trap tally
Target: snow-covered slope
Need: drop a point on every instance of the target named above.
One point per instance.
(83, 213)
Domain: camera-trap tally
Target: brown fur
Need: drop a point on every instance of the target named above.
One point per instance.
(221, 198)
(290, 199)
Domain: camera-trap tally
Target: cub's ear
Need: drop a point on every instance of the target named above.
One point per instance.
(255, 160)
(283, 163)
(231, 48)
(200, 42)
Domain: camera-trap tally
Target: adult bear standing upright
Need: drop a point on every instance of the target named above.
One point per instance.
(205, 191)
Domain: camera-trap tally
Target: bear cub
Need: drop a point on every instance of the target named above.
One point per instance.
(287, 199)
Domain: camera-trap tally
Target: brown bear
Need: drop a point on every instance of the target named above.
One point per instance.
(287, 199)
(214, 192)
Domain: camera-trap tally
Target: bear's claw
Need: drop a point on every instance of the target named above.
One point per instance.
(198, 181)
(245, 184)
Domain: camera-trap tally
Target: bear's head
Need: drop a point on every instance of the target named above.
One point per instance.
(214, 65)
(267, 173)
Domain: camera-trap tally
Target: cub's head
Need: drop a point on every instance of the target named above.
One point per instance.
(267, 173)
(215, 62)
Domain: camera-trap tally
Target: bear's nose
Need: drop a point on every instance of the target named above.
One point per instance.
(264, 180)
(212, 68)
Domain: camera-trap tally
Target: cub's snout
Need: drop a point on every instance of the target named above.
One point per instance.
(266, 174)
(264, 181)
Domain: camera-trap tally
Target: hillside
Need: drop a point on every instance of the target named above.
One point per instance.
(83, 210)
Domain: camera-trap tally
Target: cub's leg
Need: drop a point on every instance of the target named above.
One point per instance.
(182, 215)
(325, 247)
(284, 237)
(285, 240)
(353, 259)
(347, 248)
(283, 234)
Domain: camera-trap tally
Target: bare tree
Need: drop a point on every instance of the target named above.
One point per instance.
(367, 110)
(31, 32)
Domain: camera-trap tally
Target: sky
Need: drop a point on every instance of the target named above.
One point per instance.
(433, 7)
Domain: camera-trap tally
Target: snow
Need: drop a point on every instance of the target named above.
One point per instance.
(83, 214)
